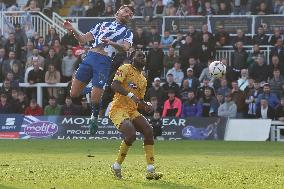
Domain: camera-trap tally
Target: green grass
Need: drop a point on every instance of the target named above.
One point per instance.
(46, 164)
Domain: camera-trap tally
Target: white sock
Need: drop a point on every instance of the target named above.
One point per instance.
(116, 165)
(150, 168)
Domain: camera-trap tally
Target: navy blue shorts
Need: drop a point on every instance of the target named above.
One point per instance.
(95, 67)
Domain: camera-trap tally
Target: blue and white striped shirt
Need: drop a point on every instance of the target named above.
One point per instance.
(114, 31)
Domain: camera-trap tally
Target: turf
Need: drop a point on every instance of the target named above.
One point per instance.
(46, 164)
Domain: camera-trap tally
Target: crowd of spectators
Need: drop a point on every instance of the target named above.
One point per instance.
(252, 87)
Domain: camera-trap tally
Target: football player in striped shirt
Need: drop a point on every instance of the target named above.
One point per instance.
(108, 38)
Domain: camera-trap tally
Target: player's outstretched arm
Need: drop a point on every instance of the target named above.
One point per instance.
(82, 38)
(116, 87)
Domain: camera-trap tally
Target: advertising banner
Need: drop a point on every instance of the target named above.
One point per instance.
(85, 24)
(232, 23)
(175, 24)
(61, 127)
(10, 125)
(269, 23)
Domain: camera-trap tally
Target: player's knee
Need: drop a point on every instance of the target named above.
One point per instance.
(148, 133)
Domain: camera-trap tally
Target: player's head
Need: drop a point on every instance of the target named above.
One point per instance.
(124, 13)
(138, 59)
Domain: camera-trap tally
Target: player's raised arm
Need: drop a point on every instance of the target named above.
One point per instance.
(82, 38)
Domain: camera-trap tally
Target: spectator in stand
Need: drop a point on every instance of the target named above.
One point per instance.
(239, 7)
(68, 40)
(204, 30)
(13, 45)
(109, 12)
(7, 64)
(272, 99)
(153, 36)
(220, 99)
(156, 91)
(239, 98)
(223, 89)
(138, 7)
(36, 75)
(239, 59)
(148, 12)
(159, 9)
(184, 90)
(205, 72)
(40, 43)
(51, 36)
(191, 7)
(20, 35)
(5, 107)
(154, 62)
(275, 64)
(172, 106)
(186, 51)
(53, 59)
(78, 9)
(171, 85)
(222, 37)
(224, 9)
(208, 10)
(182, 8)
(52, 108)
(35, 55)
(193, 82)
(265, 111)
(259, 70)
(156, 107)
(34, 109)
(68, 109)
(205, 85)
(171, 9)
(22, 102)
(249, 89)
(27, 52)
(276, 35)
(59, 50)
(2, 59)
(243, 80)
(6, 88)
(177, 73)
(178, 41)
(240, 37)
(278, 7)
(262, 9)
(96, 9)
(260, 38)
(196, 66)
(277, 83)
(228, 108)
(85, 108)
(68, 66)
(278, 50)
(31, 6)
(166, 40)
(52, 76)
(279, 112)
(191, 107)
(139, 39)
(14, 83)
(209, 103)
(206, 49)
(15, 103)
(195, 35)
(252, 56)
(256, 6)
(156, 123)
(169, 59)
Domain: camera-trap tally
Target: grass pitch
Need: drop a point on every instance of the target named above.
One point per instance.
(52, 164)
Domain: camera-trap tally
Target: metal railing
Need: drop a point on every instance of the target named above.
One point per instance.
(41, 22)
(39, 88)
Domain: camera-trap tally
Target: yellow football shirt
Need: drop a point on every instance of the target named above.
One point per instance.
(131, 80)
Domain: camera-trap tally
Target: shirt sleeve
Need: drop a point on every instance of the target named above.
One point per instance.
(128, 37)
(121, 73)
(95, 30)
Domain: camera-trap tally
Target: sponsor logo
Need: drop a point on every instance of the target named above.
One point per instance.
(10, 121)
(132, 85)
(41, 129)
(10, 135)
(186, 132)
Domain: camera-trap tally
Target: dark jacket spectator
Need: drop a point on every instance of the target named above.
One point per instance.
(209, 104)
(265, 111)
(171, 85)
(259, 70)
(5, 107)
(85, 108)
(186, 51)
(68, 108)
(156, 91)
(156, 123)
(279, 112)
(260, 38)
(13, 45)
(36, 75)
(191, 107)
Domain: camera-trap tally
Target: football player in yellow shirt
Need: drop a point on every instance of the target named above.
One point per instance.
(129, 86)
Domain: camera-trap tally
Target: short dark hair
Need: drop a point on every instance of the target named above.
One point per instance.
(128, 6)
(3, 95)
(52, 98)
